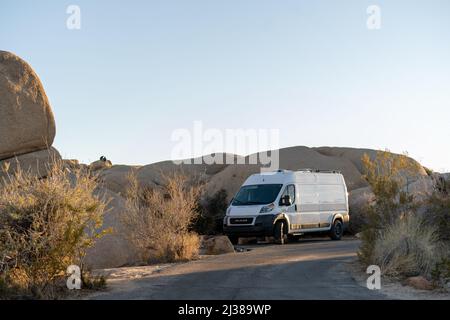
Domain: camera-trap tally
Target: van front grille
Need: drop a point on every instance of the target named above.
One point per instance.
(241, 220)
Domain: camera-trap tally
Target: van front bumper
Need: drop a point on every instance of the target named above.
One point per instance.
(263, 227)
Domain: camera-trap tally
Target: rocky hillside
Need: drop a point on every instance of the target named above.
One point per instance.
(231, 176)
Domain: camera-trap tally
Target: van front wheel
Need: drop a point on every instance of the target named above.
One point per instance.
(337, 230)
(278, 232)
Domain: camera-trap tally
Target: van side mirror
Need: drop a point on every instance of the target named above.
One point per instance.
(286, 200)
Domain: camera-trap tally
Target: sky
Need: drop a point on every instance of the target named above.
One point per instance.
(138, 71)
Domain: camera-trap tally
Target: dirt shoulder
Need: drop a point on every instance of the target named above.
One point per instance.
(396, 290)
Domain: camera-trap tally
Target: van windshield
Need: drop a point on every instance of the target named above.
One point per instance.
(256, 194)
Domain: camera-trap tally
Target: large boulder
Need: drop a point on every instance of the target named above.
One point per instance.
(355, 155)
(100, 165)
(419, 283)
(113, 249)
(360, 198)
(26, 119)
(217, 245)
(116, 178)
(421, 188)
(154, 174)
(37, 163)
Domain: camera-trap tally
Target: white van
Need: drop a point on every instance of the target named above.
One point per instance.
(285, 204)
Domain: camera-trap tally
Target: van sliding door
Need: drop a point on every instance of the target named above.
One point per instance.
(308, 208)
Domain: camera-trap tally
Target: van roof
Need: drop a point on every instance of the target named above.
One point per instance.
(303, 176)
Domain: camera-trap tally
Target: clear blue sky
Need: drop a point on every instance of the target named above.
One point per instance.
(137, 70)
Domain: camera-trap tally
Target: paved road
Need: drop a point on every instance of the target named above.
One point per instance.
(309, 269)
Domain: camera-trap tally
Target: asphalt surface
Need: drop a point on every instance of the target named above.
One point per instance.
(308, 269)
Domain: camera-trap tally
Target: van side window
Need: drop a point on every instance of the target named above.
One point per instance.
(289, 190)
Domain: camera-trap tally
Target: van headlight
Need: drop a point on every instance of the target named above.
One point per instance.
(228, 210)
(267, 208)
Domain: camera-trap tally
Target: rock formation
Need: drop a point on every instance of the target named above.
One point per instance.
(26, 119)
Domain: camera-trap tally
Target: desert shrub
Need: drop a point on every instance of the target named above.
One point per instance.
(175, 247)
(438, 213)
(428, 171)
(211, 212)
(358, 220)
(45, 226)
(441, 271)
(395, 237)
(407, 247)
(158, 221)
(386, 175)
(92, 282)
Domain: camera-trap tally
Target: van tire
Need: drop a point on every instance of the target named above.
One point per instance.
(337, 230)
(278, 232)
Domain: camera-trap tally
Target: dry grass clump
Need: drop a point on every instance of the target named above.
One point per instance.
(407, 247)
(45, 226)
(159, 221)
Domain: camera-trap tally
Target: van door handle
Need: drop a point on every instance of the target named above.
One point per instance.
(295, 206)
